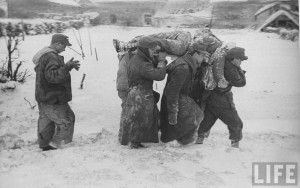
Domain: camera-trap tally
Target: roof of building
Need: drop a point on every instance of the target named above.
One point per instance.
(276, 15)
(268, 7)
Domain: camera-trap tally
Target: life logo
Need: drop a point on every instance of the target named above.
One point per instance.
(275, 173)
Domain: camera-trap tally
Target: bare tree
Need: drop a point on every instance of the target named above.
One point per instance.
(13, 39)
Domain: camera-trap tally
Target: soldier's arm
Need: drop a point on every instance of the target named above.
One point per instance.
(173, 88)
(148, 71)
(235, 76)
(54, 72)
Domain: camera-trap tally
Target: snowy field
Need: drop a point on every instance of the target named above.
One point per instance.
(269, 106)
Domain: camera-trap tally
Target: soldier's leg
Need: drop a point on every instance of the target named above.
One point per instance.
(187, 138)
(69, 131)
(46, 128)
(63, 118)
(208, 121)
(234, 123)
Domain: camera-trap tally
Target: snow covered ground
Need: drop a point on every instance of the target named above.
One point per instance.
(269, 106)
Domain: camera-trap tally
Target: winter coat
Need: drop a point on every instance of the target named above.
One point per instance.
(176, 102)
(53, 80)
(142, 71)
(122, 74)
(234, 75)
(139, 118)
(223, 97)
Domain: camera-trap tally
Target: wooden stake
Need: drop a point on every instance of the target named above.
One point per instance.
(96, 54)
(90, 42)
(81, 84)
(79, 43)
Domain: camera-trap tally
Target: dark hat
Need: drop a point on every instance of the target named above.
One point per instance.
(61, 38)
(198, 46)
(237, 52)
(148, 42)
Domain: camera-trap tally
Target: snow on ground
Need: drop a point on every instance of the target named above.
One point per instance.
(269, 106)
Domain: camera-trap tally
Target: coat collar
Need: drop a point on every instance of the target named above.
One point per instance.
(190, 61)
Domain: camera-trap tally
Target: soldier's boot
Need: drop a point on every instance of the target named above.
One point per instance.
(48, 148)
(199, 140)
(116, 44)
(121, 46)
(57, 145)
(234, 144)
(185, 141)
(135, 145)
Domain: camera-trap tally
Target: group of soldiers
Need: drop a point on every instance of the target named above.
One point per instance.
(197, 90)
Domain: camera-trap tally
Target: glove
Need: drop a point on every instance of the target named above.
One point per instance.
(172, 119)
(73, 64)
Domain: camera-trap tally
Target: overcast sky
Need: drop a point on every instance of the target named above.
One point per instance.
(161, 0)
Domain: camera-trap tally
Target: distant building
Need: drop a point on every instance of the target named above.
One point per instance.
(283, 14)
(3, 9)
(188, 13)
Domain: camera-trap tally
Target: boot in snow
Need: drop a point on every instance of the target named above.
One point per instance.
(48, 148)
(199, 140)
(234, 144)
(135, 145)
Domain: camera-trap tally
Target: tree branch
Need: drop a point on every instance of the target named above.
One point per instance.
(32, 107)
(16, 70)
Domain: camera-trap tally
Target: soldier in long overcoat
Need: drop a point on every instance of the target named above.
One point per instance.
(180, 115)
(139, 118)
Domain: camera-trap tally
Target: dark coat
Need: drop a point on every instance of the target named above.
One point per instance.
(220, 104)
(53, 80)
(139, 118)
(223, 98)
(122, 74)
(142, 71)
(234, 75)
(176, 102)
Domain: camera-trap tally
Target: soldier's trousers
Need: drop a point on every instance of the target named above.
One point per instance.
(55, 123)
(221, 107)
